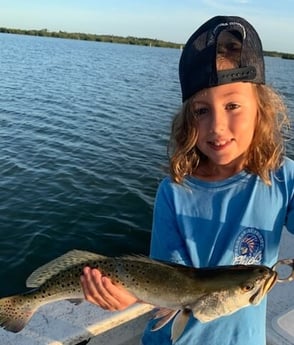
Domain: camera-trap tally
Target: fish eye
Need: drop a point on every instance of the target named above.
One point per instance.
(248, 287)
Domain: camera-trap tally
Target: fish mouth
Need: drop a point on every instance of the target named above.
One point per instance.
(264, 288)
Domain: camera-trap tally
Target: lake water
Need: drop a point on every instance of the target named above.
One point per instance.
(84, 128)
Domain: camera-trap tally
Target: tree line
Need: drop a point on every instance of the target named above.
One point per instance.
(93, 37)
(116, 39)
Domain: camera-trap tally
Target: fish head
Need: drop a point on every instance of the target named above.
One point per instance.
(235, 287)
(250, 283)
(260, 283)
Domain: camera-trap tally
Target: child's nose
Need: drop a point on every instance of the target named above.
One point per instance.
(218, 121)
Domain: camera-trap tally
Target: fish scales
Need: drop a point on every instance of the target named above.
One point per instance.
(60, 279)
(141, 276)
(205, 293)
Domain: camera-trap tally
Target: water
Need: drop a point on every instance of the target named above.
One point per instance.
(84, 128)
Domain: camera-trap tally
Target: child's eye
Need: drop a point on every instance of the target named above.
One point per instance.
(200, 112)
(232, 106)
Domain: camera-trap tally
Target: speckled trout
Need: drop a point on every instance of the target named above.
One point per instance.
(179, 291)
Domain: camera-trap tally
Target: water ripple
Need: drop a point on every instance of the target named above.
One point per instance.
(84, 128)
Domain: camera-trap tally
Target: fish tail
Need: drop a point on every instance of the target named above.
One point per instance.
(15, 312)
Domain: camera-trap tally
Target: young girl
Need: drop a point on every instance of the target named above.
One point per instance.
(230, 189)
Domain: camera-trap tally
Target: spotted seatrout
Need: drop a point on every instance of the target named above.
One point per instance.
(207, 293)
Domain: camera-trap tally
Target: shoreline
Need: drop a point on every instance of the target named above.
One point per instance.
(117, 39)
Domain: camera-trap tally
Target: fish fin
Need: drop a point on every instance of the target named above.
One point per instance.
(143, 258)
(179, 324)
(47, 271)
(75, 301)
(13, 314)
(165, 315)
(203, 314)
(161, 312)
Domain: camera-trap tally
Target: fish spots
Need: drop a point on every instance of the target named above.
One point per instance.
(43, 293)
(116, 277)
(15, 311)
(147, 282)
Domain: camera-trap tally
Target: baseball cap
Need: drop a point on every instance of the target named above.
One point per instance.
(197, 67)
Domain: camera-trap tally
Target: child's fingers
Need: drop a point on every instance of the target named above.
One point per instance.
(96, 290)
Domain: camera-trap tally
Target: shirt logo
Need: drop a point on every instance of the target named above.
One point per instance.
(249, 247)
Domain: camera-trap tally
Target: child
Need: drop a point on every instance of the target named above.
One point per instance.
(230, 190)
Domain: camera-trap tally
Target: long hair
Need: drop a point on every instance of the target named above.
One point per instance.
(265, 153)
(266, 150)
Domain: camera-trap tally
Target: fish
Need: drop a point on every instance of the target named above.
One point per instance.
(178, 291)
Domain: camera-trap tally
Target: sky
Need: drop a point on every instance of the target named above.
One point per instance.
(168, 20)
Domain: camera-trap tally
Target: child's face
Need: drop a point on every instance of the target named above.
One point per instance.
(226, 120)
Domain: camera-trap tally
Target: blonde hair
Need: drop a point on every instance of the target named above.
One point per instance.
(266, 150)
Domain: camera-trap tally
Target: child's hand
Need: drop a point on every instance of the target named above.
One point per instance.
(101, 291)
